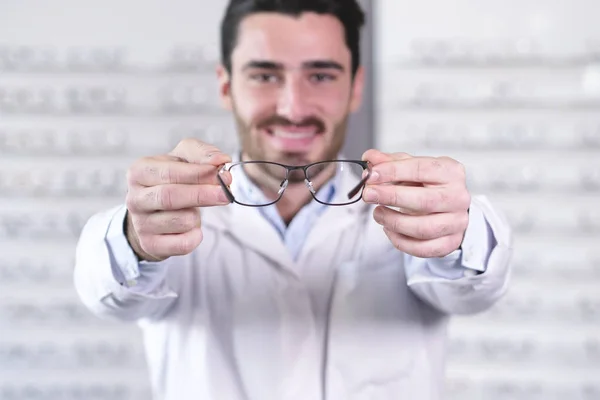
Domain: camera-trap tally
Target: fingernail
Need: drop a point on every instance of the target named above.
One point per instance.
(370, 195)
(377, 214)
(374, 177)
(223, 198)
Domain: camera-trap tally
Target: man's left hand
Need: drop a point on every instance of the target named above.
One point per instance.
(429, 197)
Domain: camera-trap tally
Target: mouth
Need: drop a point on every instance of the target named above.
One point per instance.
(295, 139)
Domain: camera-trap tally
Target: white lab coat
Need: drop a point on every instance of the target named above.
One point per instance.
(240, 319)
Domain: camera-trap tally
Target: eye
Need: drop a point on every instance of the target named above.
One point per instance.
(322, 77)
(265, 78)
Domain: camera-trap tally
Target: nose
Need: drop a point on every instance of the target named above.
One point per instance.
(294, 102)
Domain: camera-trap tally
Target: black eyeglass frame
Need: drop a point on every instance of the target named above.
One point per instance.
(366, 165)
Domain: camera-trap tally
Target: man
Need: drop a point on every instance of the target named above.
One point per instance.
(323, 294)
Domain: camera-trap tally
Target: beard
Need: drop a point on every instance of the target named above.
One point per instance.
(253, 148)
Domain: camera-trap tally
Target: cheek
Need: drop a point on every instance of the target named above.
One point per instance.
(335, 102)
(252, 107)
(335, 111)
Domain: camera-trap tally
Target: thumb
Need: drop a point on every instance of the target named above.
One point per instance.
(377, 157)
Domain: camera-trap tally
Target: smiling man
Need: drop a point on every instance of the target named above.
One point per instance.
(286, 271)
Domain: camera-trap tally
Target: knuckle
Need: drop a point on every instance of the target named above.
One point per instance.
(461, 170)
(427, 202)
(188, 220)
(436, 163)
(163, 196)
(420, 170)
(182, 246)
(395, 170)
(394, 197)
(167, 175)
(139, 169)
(148, 243)
(131, 176)
(396, 224)
(443, 197)
(134, 173)
(441, 229)
(427, 230)
(204, 196)
(132, 201)
(142, 225)
(422, 231)
(149, 170)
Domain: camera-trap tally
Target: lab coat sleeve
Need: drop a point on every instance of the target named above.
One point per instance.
(471, 259)
(472, 279)
(108, 278)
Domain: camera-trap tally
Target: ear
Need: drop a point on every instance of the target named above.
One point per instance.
(357, 89)
(224, 81)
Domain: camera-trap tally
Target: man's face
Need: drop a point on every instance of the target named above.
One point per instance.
(291, 88)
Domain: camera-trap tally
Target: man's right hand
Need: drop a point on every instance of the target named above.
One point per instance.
(164, 193)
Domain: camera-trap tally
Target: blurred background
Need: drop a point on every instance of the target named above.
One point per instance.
(510, 88)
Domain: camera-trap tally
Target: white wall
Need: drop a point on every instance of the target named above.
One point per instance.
(61, 161)
(511, 89)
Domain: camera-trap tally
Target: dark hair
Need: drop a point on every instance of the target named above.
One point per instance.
(348, 12)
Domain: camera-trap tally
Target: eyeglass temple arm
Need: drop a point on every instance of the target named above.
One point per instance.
(360, 184)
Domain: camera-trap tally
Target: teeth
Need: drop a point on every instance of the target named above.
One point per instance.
(294, 135)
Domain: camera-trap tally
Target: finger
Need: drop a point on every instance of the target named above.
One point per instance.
(439, 247)
(419, 169)
(159, 171)
(422, 227)
(165, 246)
(377, 157)
(167, 222)
(175, 197)
(198, 152)
(421, 200)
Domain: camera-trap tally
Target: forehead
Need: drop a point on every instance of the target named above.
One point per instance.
(291, 39)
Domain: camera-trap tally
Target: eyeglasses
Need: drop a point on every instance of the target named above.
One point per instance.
(278, 176)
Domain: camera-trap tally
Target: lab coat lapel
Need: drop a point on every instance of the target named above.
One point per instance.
(252, 229)
(249, 228)
(335, 219)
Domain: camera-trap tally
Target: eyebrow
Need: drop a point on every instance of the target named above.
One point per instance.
(314, 64)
